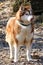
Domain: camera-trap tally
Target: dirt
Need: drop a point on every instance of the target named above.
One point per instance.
(36, 53)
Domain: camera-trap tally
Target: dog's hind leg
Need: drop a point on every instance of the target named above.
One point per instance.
(11, 50)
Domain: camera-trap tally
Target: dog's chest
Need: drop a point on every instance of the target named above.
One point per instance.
(25, 33)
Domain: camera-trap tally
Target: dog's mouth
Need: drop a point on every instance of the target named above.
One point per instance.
(32, 18)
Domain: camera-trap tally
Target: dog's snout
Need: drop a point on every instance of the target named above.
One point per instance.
(32, 18)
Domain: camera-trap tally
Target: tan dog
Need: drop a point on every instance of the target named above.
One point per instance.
(19, 31)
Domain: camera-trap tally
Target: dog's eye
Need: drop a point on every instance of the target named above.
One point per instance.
(27, 13)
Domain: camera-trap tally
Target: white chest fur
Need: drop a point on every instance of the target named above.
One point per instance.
(25, 33)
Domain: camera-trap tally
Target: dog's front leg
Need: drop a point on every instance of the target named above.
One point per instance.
(28, 53)
(15, 53)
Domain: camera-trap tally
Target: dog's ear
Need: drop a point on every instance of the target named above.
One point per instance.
(21, 8)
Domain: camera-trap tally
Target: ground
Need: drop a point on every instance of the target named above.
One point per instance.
(36, 53)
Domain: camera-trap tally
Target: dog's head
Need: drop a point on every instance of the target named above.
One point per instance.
(24, 14)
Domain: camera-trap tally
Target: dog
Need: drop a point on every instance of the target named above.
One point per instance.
(20, 31)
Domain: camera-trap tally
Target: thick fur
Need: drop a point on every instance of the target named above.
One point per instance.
(18, 34)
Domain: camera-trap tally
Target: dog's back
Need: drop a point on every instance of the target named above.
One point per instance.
(9, 30)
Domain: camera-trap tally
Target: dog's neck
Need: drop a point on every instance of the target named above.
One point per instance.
(21, 24)
(24, 24)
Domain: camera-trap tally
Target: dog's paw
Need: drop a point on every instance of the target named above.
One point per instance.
(29, 59)
(11, 57)
(15, 60)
